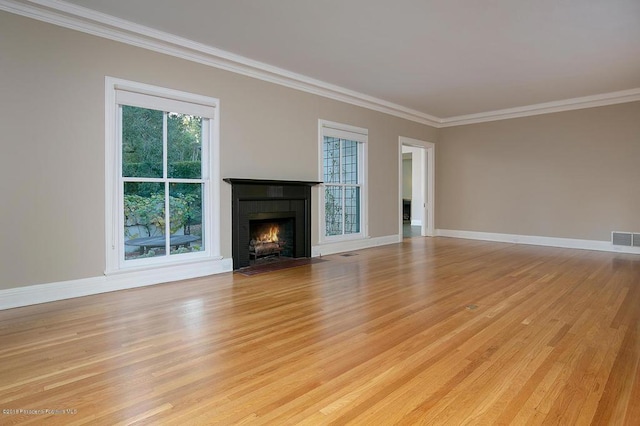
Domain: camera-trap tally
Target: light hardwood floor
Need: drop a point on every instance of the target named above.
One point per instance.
(431, 331)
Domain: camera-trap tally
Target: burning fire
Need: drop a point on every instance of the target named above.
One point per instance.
(271, 236)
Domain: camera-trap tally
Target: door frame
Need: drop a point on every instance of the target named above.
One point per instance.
(428, 164)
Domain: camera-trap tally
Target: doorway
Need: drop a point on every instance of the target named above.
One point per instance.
(416, 187)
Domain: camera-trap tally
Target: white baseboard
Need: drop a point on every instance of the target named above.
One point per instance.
(343, 246)
(42, 293)
(416, 222)
(539, 241)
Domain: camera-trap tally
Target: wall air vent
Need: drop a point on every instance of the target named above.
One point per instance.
(622, 239)
(636, 240)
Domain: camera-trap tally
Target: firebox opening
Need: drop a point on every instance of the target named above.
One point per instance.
(271, 240)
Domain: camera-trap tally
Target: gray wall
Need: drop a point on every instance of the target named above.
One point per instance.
(52, 151)
(406, 176)
(573, 174)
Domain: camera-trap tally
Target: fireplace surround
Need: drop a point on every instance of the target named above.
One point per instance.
(264, 200)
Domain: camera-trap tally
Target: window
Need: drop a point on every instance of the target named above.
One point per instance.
(161, 165)
(343, 171)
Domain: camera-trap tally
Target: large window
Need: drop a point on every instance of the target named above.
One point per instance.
(343, 173)
(162, 156)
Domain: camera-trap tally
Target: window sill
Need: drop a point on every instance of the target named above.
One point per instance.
(342, 238)
(326, 248)
(163, 266)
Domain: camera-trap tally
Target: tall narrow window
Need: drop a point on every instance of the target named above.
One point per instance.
(343, 173)
(163, 165)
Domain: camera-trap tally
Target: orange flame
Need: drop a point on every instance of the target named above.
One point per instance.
(271, 236)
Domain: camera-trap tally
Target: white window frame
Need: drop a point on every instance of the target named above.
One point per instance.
(120, 92)
(358, 134)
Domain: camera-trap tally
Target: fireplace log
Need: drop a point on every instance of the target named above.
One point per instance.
(263, 248)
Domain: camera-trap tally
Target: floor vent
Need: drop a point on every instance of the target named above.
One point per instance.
(623, 239)
(636, 240)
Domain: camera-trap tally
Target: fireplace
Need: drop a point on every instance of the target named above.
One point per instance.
(271, 219)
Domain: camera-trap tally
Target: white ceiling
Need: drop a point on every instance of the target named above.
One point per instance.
(443, 58)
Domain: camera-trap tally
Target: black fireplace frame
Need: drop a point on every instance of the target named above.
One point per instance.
(262, 197)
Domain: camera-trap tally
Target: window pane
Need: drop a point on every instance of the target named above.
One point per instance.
(184, 146)
(349, 161)
(352, 210)
(141, 142)
(333, 210)
(331, 157)
(185, 212)
(144, 220)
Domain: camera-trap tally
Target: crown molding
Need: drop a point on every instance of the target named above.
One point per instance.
(85, 20)
(102, 25)
(592, 101)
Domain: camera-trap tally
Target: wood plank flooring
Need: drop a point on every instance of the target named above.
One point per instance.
(432, 331)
